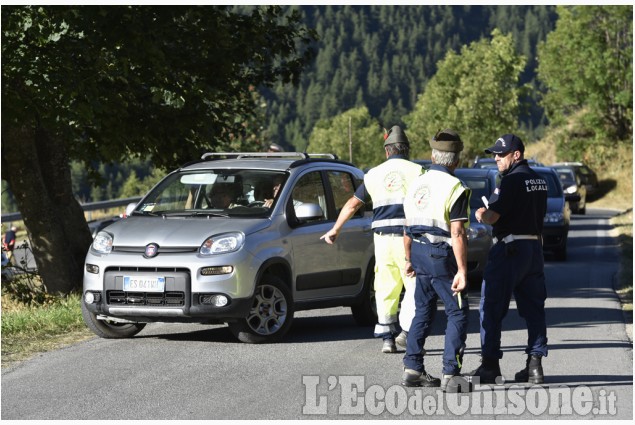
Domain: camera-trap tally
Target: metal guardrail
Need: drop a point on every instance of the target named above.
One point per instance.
(92, 206)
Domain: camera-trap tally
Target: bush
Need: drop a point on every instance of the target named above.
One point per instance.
(24, 287)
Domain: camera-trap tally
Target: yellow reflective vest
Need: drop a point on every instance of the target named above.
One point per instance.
(428, 203)
(387, 185)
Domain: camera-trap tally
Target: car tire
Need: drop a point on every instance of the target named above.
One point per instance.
(270, 315)
(561, 254)
(365, 313)
(107, 329)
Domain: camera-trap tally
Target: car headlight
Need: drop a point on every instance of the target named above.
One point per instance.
(554, 217)
(571, 189)
(476, 231)
(222, 244)
(102, 243)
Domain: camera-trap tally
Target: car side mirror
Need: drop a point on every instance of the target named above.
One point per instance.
(305, 212)
(130, 208)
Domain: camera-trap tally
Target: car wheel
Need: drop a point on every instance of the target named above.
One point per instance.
(561, 254)
(270, 315)
(110, 329)
(365, 313)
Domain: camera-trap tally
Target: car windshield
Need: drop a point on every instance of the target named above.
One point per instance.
(567, 178)
(480, 187)
(236, 193)
(554, 188)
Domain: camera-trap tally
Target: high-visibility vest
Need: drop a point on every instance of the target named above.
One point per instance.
(428, 203)
(387, 184)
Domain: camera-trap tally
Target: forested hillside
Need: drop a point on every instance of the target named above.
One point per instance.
(382, 56)
(377, 57)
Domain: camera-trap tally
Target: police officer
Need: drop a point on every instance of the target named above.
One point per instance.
(386, 185)
(437, 216)
(515, 263)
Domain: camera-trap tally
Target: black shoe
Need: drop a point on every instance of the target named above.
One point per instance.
(532, 372)
(412, 378)
(455, 384)
(489, 372)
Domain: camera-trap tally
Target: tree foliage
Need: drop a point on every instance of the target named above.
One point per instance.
(104, 77)
(382, 56)
(586, 65)
(365, 143)
(103, 84)
(475, 92)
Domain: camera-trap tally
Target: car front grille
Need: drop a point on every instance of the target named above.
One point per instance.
(161, 250)
(148, 269)
(154, 299)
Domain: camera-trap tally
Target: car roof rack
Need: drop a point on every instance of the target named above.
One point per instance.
(272, 155)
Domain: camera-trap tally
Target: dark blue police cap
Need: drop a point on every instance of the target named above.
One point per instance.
(507, 143)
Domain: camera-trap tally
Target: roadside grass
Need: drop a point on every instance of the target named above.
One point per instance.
(623, 229)
(31, 329)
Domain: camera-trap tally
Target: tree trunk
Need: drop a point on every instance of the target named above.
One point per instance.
(37, 169)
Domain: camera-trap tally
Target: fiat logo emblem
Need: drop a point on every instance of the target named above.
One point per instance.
(152, 250)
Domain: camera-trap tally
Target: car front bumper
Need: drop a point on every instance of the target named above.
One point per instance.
(186, 290)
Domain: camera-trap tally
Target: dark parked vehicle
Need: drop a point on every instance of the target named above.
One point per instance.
(491, 163)
(558, 216)
(425, 163)
(482, 181)
(587, 175)
(574, 191)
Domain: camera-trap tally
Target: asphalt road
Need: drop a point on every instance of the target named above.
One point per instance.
(328, 368)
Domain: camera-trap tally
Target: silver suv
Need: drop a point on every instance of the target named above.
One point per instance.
(233, 238)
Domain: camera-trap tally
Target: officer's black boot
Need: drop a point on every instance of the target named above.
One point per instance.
(488, 371)
(532, 373)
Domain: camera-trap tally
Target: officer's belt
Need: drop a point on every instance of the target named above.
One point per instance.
(512, 238)
(389, 233)
(427, 238)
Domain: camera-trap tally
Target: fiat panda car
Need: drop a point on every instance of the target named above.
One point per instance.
(233, 238)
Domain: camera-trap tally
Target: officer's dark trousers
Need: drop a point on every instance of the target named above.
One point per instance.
(518, 269)
(435, 266)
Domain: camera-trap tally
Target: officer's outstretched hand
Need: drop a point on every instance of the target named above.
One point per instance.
(330, 236)
(459, 283)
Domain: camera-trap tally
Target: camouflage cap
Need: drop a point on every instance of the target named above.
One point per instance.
(447, 141)
(395, 135)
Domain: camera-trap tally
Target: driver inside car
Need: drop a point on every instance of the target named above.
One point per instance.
(277, 183)
(223, 196)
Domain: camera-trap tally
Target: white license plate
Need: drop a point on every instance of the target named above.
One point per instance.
(143, 284)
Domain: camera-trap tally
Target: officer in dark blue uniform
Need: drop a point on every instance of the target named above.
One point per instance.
(515, 263)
